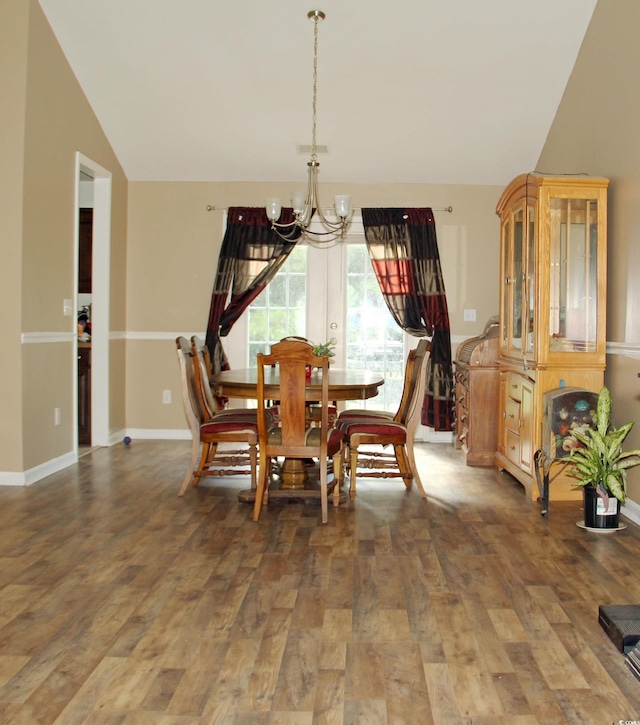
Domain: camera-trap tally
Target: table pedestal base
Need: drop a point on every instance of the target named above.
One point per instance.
(306, 477)
(293, 474)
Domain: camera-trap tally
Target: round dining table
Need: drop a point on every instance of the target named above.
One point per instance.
(295, 480)
(343, 384)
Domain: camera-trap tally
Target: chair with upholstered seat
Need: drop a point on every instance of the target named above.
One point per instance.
(209, 428)
(374, 428)
(313, 409)
(210, 404)
(293, 436)
(198, 345)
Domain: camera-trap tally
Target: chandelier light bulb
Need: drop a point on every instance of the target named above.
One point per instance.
(342, 204)
(273, 207)
(297, 201)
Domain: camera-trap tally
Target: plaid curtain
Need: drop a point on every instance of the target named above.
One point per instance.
(251, 255)
(403, 249)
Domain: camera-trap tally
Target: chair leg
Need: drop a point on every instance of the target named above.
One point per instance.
(253, 458)
(208, 453)
(338, 475)
(263, 482)
(353, 466)
(195, 451)
(403, 465)
(414, 467)
(324, 503)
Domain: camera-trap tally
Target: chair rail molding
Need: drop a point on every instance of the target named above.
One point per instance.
(630, 349)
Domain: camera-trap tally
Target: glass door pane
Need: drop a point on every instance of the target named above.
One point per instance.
(506, 286)
(517, 279)
(573, 311)
(529, 279)
(373, 339)
(281, 308)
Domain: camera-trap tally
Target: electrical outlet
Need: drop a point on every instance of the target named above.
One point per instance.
(56, 416)
(166, 397)
(469, 315)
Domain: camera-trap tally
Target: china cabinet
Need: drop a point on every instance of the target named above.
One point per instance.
(553, 271)
(476, 396)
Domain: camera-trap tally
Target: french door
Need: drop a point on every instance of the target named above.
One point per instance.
(324, 294)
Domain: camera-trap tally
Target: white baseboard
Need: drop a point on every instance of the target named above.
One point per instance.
(631, 511)
(429, 435)
(33, 475)
(150, 434)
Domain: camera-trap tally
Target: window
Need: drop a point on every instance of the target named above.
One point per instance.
(373, 339)
(325, 293)
(281, 309)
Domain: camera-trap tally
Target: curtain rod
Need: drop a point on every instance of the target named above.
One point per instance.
(226, 208)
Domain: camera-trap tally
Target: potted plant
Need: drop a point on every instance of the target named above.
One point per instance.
(600, 465)
(325, 348)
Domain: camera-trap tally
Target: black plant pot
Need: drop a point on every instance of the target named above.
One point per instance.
(595, 514)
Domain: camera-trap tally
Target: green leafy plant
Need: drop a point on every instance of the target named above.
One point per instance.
(600, 461)
(325, 348)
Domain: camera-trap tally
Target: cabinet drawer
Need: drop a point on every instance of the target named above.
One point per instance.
(513, 447)
(512, 415)
(514, 387)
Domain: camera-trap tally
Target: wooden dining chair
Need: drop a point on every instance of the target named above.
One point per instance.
(292, 436)
(198, 345)
(313, 409)
(209, 428)
(380, 429)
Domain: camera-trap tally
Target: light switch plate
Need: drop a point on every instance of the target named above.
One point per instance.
(469, 315)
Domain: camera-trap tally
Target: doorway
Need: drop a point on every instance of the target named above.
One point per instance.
(93, 183)
(84, 306)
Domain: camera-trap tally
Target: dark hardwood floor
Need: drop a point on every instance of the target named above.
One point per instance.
(121, 603)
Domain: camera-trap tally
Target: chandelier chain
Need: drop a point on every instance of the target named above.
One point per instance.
(314, 146)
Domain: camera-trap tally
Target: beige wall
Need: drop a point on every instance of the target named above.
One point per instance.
(14, 21)
(50, 121)
(172, 256)
(596, 132)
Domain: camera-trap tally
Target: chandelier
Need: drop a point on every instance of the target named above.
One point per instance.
(307, 208)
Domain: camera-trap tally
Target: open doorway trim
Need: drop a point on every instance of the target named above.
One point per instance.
(100, 292)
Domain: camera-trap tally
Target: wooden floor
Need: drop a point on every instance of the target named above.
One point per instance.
(121, 603)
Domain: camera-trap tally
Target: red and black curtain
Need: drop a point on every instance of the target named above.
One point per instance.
(251, 255)
(403, 249)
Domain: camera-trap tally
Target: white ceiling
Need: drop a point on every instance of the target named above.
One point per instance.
(409, 91)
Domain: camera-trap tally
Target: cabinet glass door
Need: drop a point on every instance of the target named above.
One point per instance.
(529, 279)
(573, 272)
(506, 287)
(517, 278)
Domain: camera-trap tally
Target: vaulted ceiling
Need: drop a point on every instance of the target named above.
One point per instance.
(410, 91)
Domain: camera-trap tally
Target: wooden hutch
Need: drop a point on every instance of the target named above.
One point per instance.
(553, 271)
(476, 395)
